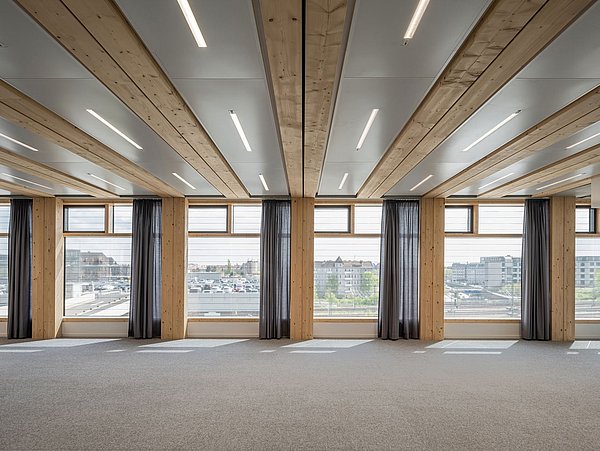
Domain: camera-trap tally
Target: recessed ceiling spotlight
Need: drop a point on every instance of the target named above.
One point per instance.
(421, 182)
(114, 129)
(343, 180)
(192, 22)
(183, 180)
(240, 130)
(105, 181)
(495, 181)
(367, 128)
(559, 182)
(489, 132)
(263, 181)
(416, 19)
(26, 181)
(18, 142)
(582, 141)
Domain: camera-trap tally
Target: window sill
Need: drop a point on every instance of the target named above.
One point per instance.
(223, 319)
(95, 319)
(482, 320)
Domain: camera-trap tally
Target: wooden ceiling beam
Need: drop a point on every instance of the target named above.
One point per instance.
(509, 35)
(22, 110)
(282, 27)
(22, 190)
(324, 52)
(99, 36)
(573, 118)
(565, 187)
(549, 172)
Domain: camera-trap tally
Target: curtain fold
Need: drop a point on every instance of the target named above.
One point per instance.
(535, 283)
(275, 269)
(399, 270)
(145, 307)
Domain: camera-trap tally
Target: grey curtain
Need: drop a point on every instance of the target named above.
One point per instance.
(399, 270)
(275, 269)
(535, 277)
(19, 269)
(145, 306)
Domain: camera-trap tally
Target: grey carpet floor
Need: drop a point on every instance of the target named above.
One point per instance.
(211, 394)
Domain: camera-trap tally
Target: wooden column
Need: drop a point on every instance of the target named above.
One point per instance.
(562, 268)
(174, 268)
(431, 287)
(47, 277)
(302, 262)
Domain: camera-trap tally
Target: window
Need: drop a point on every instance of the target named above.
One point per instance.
(587, 278)
(346, 271)
(458, 219)
(585, 220)
(4, 218)
(97, 268)
(482, 273)
(208, 219)
(224, 267)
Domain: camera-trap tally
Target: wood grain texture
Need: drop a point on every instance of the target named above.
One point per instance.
(571, 119)
(324, 49)
(563, 187)
(507, 37)
(22, 110)
(97, 34)
(282, 25)
(21, 189)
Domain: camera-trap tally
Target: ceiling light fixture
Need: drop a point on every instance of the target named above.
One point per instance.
(582, 141)
(183, 180)
(343, 180)
(263, 181)
(18, 142)
(192, 22)
(240, 130)
(26, 181)
(105, 181)
(416, 19)
(488, 133)
(495, 181)
(421, 182)
(114, 129)
(367, 128)
(559, 182)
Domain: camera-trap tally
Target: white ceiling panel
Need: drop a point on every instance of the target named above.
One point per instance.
(35, 182)
(573, 176)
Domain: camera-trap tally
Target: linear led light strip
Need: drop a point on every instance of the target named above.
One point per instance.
(495, 181)
(18, 142)
(582, 141)
(421, 182)
(192, 22)
(240, 130)
(367, 128)
(343, 180)
(263, 181)
(183, 180)
(416, 19)
(114, 129)
(105, 181)
(559, 182)
(488, 133)
(26, 181)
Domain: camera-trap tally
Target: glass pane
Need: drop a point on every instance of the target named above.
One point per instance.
(346, 277)
(122, 218)
(3, 276)
(84, 219)
(482, 278)
(223, 276)
(458, 219)
(587, 278)
(332, 219)
(582, 220)
(97, 276)
(246, 218)
(207, 219)
(501, 219)
(367, 219)
(4, 217)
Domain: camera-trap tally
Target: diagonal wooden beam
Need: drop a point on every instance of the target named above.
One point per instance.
(551, 171)
(509, 35)
(564, 187)
(99, 36)
(282, 26)
(16, 107)
(573, 118)
(45, 172)
(324, 52)
(22, 190)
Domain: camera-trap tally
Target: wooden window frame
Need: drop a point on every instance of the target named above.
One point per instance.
(471, 224)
